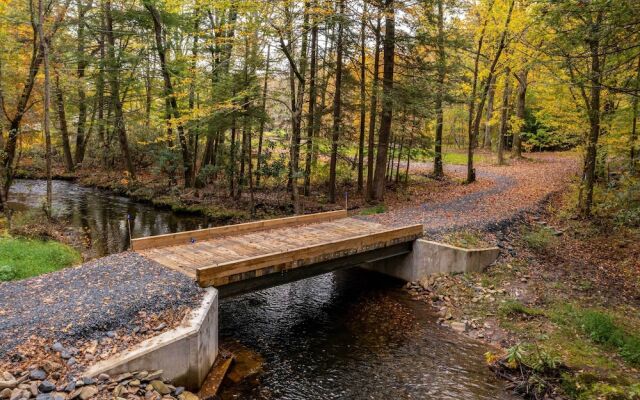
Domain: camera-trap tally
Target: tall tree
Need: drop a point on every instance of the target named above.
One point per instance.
(337, 104)
(387, 100)
(441, 65)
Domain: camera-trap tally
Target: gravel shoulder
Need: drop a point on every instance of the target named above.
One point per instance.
(123, 296)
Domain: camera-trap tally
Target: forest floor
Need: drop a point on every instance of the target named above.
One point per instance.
(563, 302)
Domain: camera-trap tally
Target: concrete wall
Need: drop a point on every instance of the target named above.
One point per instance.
(185, 353)
(429, 258)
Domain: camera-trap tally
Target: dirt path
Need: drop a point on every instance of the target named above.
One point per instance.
(498, 196)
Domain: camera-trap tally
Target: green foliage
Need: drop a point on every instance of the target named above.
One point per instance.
(24, 258)
(512, 308)
(539, 137)
(619, 202)
(539, 238)
(603, 329)
(377, 209)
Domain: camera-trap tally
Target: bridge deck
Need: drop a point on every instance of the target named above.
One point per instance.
(228, 258)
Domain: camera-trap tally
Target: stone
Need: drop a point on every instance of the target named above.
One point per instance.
(59, 396)
(8, 377)
(88, 392)
(72, 361)
(188, 396)
(33, 388)
(86, 380)
(46, 387)
(44, 396)
(134, 382)
(179, 390)
(16, 394)
(37, 375)
(65, 355)
(8, 384)
(154, 375)
(51, 366)
(74, 393)
(5, 393)
(119, 391)
(58, 347)
(460, 327)
(111, 334)
(141, 375)
(160, 387)
(103, 377)
(123, 377)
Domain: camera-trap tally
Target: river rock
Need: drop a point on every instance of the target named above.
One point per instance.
(154, 375)
(9, 384)
(88, 392)
(460, 327)
(17, 394)
(33, 388)
(58, 347)
(37, 375)
(123, 377)
(188, 396)
(46, 387)
(44, 396)
(160, 387)
(134, 382)
(5, 393)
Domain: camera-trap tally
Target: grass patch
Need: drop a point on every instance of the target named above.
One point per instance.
(539, 238)
(511, 308)
(377, 209)
(603, 329)
(24, 258)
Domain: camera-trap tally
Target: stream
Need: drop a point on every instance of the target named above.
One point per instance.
(351, 334)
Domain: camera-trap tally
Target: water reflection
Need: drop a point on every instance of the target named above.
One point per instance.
(352, 335)
(102, 214)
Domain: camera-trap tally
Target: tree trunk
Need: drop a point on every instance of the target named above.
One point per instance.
(633, 153)
(504, 115)
(471, 172)
(114, 83)
(387, 101)
(263, 117)
(516, 149)
(311, 118)
(363, 106)
(373, 110)
(486, 141)
(337, 104)
(187, 165)
(438, 171)
(589, 173)
(64, 130)
(45, 105)
(82, 104)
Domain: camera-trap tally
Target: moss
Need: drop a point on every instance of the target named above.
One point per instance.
(540, 238)
(465, 239)
(512, 308)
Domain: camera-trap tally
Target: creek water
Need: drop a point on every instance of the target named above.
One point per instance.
(351, 334)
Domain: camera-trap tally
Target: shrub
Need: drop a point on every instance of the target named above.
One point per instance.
(603, 329)
(539, 239)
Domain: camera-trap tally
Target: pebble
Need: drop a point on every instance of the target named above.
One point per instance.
(154, 375)
(460, 327)
(37, 375)
(160, 387)
(58, 347)
(5, 393)
(8, 384)
(88, 392)
(46, 387)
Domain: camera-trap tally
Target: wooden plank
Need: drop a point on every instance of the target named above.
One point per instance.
(203, 234)
(299, 256)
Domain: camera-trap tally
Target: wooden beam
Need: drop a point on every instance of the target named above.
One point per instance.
(223, 273)
(271, 280)
(172, 239)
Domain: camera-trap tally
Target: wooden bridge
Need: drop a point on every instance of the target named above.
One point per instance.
(255, 255)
